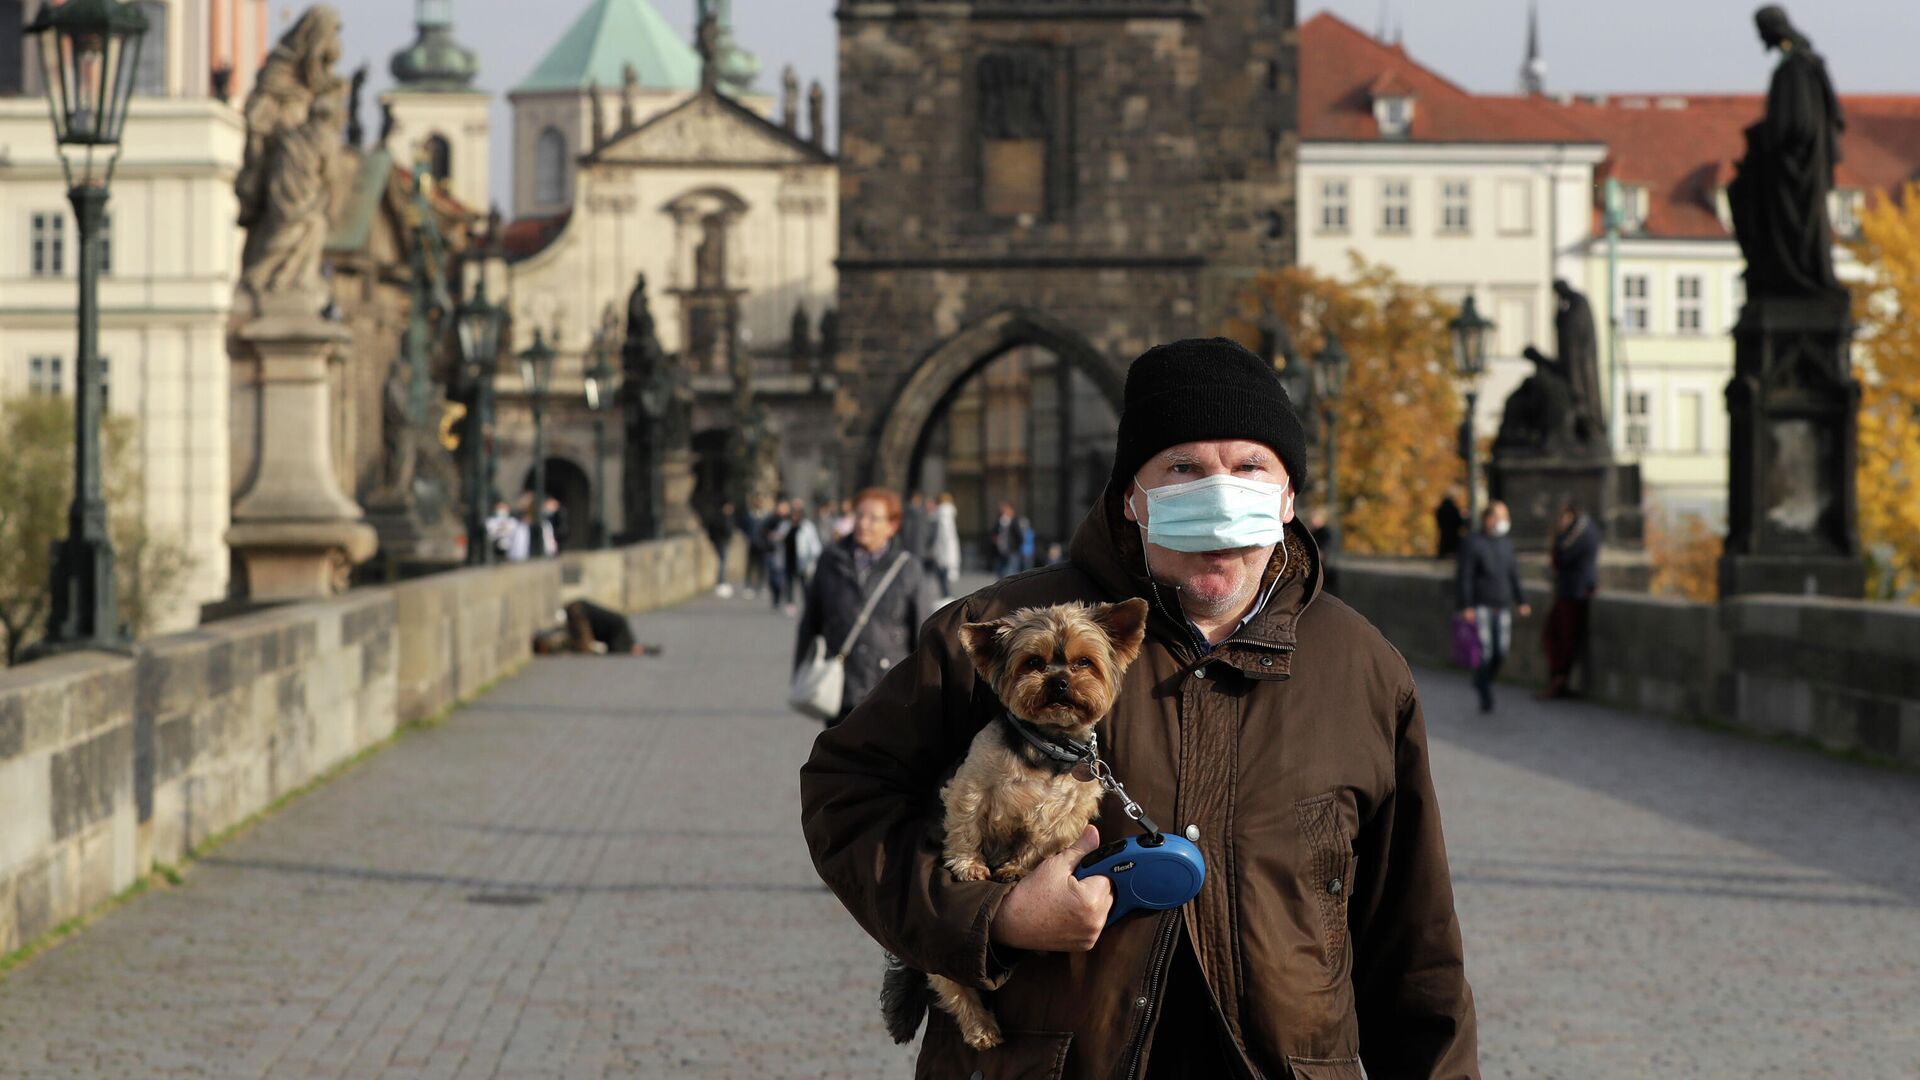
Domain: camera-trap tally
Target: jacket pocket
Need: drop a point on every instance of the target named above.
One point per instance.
(1329, 867)
(1024, 1055)
(1326, 1068)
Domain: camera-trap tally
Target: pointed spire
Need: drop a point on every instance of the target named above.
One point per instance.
(1399, 33)
(1380, 28)
(1533, 73)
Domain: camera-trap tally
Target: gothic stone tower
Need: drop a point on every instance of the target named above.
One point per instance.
(1087, 177)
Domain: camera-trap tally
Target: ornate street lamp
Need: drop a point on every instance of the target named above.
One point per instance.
(599, 397)
(477, 324)
(1469, 332)
(1276, 346)
(88, 51)
(1330, 382)
(536, 369)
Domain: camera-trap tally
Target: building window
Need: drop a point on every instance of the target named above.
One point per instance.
(13, 50)
(1687, 304)
(1396, 196)
(1633, 304)
(1333, 206)
(1639, 433)
(439, 158)
(1394, 115)
(1634, 205)
(49, 245)
(1456, 205)
(150, 77)
(1021, 126)
(44, 375)
(1843, 208)
(1689, 409)
(550, 167)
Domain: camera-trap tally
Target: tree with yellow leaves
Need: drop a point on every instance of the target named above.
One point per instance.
(1887, 363)
(1397, 420)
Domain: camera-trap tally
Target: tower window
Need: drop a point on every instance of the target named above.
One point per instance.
(550, 167)
(1022, 133)
(439, 158)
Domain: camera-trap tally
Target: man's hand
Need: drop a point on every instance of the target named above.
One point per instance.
(1052, 911)
(1469, 616)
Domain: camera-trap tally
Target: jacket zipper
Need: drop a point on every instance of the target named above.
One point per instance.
(1155, 970)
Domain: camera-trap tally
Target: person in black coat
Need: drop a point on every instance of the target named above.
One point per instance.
(1576, 577)
(1448, 522)
(1488, 592)
(849, 571)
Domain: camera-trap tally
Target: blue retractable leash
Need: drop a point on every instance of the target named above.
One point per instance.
(1154, 871)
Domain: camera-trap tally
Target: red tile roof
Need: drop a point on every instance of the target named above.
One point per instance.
(1681, 147)
(1342, 68)
(529, 235)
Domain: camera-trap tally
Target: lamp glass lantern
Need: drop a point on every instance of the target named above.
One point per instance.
(478, 324)
(1469, 330)
(599, 378)
(89, 51)
(1330, 370)
(536, 365)
(1276, 346)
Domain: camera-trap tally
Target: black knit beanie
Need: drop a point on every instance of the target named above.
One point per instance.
(1205, 388)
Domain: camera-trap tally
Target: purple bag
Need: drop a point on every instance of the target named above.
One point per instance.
(1466, 643)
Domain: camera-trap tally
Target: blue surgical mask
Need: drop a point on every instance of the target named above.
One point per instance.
(1217, 513)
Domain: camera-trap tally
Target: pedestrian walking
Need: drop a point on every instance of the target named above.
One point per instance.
(849, 577)
(778, 532)
(804, 547)
(520, 540)
(500, 528)
(1449, 521)
(916, 526)
(753, 524)
(1576, 577)
(1488, 593)
(720, 525)
(945, 550)
(1007, 536)
(1277, 724)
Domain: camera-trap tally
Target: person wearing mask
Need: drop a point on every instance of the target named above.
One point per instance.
(850, 573)
(1576, 577)
(945, 549)
(1265, 721)
(558, 529)
(500, 528)
(1488, 592)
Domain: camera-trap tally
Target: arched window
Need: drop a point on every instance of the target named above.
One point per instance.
(550, 167)
(439, 158)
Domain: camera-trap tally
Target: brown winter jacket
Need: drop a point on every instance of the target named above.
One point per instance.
(1326, 928)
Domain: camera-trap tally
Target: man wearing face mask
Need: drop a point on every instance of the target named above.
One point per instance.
(1488, 590)
(1264, 720)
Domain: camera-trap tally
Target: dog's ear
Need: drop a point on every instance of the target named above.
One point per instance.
(984, 642)
(1125, 624)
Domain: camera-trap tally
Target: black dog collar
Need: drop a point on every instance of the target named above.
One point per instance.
(1065, 754)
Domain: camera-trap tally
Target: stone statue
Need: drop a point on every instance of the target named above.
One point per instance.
(816, 114)
(707, 41)
(629, 97)
(397, 426)
(656, 399)
(1779, 197)
(789, 100)
(1557, 412)
(599, 107)
(356, 135)
(285, 186)
(829, 334)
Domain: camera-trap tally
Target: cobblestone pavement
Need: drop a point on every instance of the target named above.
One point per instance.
(597, 871)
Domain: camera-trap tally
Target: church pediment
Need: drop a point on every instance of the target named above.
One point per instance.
(709, 130)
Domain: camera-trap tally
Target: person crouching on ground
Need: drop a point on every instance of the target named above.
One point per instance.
(1488, 591)
(1266, 721)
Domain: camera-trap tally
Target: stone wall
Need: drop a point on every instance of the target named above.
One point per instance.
(110, 765)
(1837, 672)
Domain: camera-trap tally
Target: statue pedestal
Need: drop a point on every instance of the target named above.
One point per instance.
(411, 541)
(1534, 489)
(1793, 409)
(296, 533)
(676, 485)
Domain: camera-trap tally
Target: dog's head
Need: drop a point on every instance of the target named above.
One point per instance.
(1058, 666)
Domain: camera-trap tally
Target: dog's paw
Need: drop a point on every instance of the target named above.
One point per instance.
(969, 870)
(984, 1037)
(1009, 872)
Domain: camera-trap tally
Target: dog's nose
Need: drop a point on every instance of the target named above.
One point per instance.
(1057, 685)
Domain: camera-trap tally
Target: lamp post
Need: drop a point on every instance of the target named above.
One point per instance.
(599, 385)
(536, 368)
(1330, 382)
(88, 52)
(478, 325)
(1469, 332)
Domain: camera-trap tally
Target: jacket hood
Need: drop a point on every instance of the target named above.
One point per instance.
(1109, 549)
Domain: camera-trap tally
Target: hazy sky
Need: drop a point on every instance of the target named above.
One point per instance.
(1597, 45)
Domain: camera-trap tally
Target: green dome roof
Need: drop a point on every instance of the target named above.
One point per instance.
(606, 37)
(434, 61)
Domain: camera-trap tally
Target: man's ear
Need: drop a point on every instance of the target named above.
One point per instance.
(1125, 624)
(1126, 505)
(983, 641)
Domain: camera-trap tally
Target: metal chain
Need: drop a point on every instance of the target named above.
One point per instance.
(1111, 784)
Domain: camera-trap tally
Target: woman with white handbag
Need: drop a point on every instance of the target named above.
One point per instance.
(864, 608)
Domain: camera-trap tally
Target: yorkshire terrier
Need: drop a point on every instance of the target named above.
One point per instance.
(1011, 805)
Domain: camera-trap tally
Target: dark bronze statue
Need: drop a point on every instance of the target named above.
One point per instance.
(1779, 198)
(1556, 412)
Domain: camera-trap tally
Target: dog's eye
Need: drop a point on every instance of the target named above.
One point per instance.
(1083, 662)
(1035, 663)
